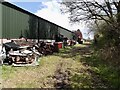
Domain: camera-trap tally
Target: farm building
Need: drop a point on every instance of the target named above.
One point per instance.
(16, 22)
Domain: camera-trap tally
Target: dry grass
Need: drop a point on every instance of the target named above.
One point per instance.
(39, 76)
(59, 70)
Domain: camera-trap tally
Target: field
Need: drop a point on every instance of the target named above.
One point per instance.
(66, 69)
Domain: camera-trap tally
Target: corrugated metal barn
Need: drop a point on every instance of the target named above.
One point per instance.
(16, 22)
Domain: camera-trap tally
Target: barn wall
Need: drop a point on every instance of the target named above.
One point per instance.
(47, 30)
(17, 22)
(0, 20)
(32, 32)
(65, 33)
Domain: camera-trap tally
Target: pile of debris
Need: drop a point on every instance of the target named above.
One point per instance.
(18, 52)
(45, 48)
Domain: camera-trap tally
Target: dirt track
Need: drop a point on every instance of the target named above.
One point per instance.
(63, 70)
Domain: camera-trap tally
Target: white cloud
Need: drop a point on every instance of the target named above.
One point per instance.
(52, 13)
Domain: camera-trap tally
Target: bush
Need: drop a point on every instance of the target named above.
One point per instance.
(108, 43)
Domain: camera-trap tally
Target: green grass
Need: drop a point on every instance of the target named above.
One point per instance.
(108, 73)
(81, 81)
(8, 72)
(84, 71)
(29, 77)
(38, 76)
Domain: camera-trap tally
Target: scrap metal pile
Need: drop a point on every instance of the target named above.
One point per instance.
(18, 52)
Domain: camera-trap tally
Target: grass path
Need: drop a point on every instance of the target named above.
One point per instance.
(61, 70)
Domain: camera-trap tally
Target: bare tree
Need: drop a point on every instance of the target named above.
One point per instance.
(105, 16)
(108, 11)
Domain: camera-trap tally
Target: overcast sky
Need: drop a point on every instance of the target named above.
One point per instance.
(50, 10)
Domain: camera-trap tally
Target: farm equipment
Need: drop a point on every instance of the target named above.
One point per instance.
(20, 54)
(26, 53)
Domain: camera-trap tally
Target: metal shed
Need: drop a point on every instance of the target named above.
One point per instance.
(16, 22)
(0, 20)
